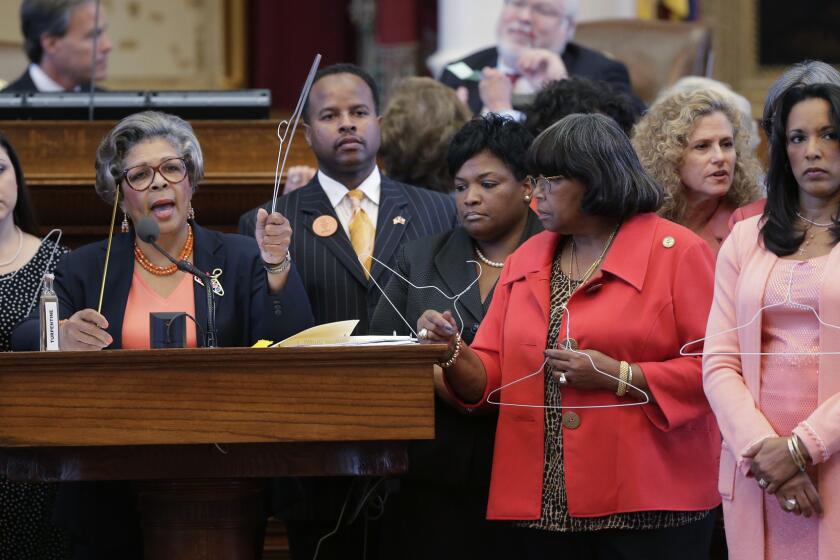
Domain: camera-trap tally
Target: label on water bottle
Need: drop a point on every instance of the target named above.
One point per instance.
(51, 312)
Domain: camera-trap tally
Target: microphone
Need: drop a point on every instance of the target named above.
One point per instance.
(148, 230)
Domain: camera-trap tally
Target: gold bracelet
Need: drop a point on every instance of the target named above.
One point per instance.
(623, 374)
(796, 452)
(454, 357)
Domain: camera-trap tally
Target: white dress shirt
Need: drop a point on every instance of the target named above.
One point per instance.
(337, 193)
(43, 82)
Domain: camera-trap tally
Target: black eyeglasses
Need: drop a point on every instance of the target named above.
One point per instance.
(141, 177)
(544, 183)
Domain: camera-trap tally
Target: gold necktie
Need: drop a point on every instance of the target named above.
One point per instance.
(362, 232)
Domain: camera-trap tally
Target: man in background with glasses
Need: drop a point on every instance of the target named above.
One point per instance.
(533, 48)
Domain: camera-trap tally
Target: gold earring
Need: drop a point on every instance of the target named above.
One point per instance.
(191, 214)
(124, 226)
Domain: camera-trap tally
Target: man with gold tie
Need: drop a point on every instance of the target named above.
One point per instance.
(349, 216)
(347, 220)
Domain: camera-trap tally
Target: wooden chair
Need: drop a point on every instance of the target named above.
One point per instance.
(656, 53)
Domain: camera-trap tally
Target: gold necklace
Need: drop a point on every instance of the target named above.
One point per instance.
(597, 262)
(810, 234)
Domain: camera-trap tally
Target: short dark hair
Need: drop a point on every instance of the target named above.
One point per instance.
(580, 95)
(38, 17)
(778, 229)
(24, 213)
(503, 137)
(592, 149)
(343, 68)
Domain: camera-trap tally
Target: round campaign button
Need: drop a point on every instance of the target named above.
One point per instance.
(324, 226)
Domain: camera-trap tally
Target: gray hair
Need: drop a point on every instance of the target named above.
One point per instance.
(137, 128)
(800, 74)
(40, 17)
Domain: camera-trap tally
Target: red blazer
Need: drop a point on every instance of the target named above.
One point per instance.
(646, 302)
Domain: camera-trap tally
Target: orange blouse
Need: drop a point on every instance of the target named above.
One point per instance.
(143, 300)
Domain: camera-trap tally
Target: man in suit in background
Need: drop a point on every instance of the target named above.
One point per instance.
(334, 234)
(533, 48)
(58, 39)
(341, 126)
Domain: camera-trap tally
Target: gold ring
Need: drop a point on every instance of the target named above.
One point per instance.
(423, 334)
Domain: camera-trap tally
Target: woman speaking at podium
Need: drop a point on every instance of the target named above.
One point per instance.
(151, 163)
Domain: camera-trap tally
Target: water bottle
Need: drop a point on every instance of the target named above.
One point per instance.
(48, 315)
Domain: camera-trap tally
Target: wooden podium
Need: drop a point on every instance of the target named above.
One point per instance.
(200, 429)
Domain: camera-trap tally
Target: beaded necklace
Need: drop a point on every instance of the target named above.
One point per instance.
(488, 262)
(152, 268)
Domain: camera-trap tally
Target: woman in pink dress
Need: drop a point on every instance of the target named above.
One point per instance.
(697, 146)
(768, 367)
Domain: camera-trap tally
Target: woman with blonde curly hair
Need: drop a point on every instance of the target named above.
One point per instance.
(693, 144)
(421, 117)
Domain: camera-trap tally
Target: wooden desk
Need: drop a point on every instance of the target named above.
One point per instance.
(58, 159)
(199, 428)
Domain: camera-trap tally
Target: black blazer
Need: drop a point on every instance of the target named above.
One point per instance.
(24, 84)
(580, 62)
(245, 314)
(332, 275)
(461, 451)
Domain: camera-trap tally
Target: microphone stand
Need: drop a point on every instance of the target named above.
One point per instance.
(211, 340)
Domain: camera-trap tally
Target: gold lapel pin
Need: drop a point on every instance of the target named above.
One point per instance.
(399, 220)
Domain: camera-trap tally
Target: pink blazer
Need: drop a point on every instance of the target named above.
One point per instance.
(732, 387)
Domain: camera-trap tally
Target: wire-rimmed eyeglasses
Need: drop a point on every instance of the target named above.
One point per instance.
(543, 182)
(141, 177)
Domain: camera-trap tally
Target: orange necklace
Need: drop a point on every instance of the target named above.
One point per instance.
(152, 268)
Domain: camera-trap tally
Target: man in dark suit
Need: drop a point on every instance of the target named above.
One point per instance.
(533, 48)
(331, 249)
(59, 42)
(342, 127)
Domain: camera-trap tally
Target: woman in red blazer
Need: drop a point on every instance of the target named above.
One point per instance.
(615, 482)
